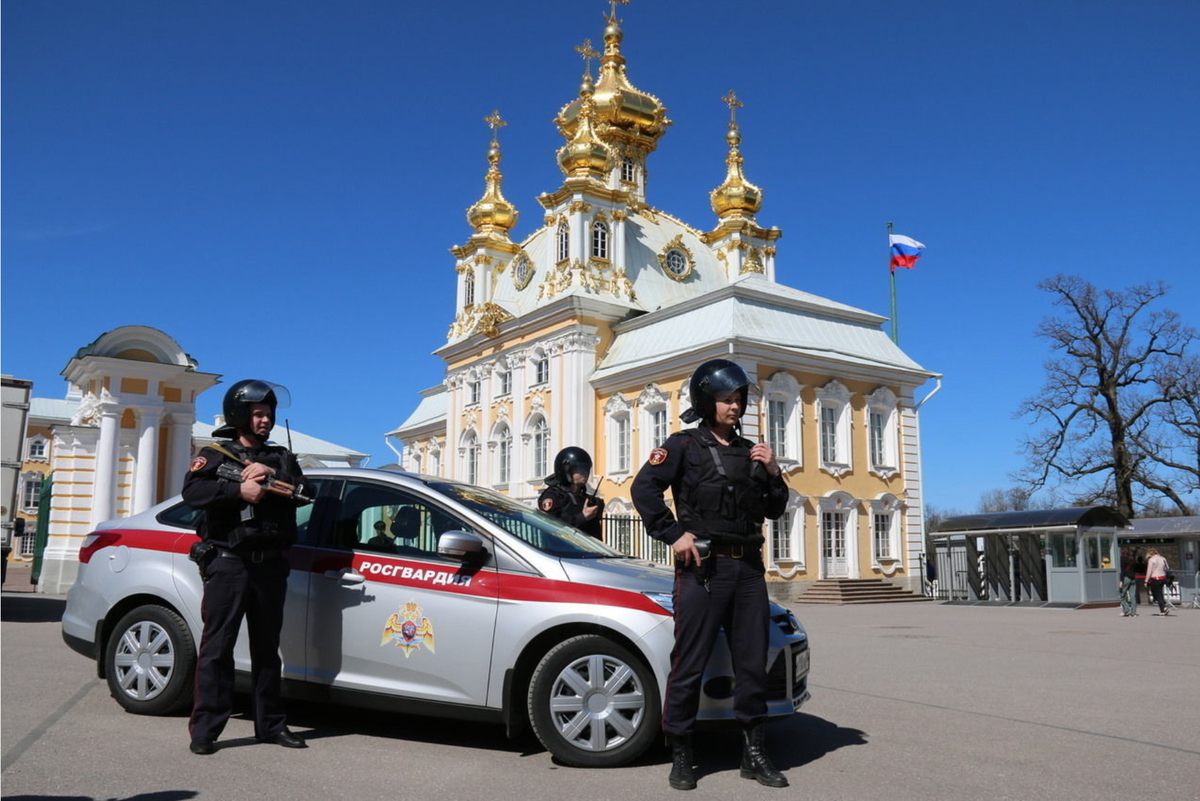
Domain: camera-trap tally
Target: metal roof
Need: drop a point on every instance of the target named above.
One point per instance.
(1032, 519)
(1165, 526)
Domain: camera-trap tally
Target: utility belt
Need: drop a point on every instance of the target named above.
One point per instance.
(256, 556)
(737, 528)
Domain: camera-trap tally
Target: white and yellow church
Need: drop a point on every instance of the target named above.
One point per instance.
(586, 331)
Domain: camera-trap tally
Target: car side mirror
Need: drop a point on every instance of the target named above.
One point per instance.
(464, 546)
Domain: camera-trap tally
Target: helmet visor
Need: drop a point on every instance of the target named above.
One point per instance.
(257, 391)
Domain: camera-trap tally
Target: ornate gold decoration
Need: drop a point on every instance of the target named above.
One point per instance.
(483, 259)
(523, 271)
(586, 155)
(752, 261)
(482, 318)
(492, 215)
(769, 251)
(735, 197)
(548, 219)
(578, 205)
(587, 53)
(620, 215)
(689, 264)
(596, 277)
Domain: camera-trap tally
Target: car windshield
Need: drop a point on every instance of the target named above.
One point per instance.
(542, 531)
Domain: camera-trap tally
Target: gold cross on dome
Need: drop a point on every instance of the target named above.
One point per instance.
(587, 53)
(612, 11)
(734, 104)
(495, 123)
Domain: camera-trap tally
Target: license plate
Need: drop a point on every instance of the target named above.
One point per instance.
(800, 665)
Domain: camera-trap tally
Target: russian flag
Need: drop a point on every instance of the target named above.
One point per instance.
(905, 251)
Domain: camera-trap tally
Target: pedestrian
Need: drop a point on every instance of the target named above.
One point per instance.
(723, 487)
(1129, 583)
(566, 495)
(249, 491)
(1156, 579)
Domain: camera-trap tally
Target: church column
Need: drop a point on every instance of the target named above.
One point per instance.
(104, 493)
(145, 482)
(179, 452)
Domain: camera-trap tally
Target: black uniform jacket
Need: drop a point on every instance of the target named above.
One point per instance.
(727, 508)
(567, 505)
(231, 522)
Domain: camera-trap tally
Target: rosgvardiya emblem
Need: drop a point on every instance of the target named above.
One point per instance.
(409, 629)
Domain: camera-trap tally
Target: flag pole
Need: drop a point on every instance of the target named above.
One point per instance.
(892, 270)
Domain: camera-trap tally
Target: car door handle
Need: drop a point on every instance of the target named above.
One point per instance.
(346, 575)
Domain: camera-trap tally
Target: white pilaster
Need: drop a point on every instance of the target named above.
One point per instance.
(106, 464)
(145, 482)
(179, 451)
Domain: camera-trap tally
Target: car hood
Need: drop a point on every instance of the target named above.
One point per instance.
(636, 575)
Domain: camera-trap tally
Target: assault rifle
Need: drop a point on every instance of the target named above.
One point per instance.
(273, 485)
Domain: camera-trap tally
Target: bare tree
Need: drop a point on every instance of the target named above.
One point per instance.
(1178, 447)
(1098, 404)
(1013, 499)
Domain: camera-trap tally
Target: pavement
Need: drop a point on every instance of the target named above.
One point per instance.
(16, 578)
(910, 701)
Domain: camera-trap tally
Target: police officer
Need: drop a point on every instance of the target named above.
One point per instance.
(724, 486)
(247, 527)
(566, 495)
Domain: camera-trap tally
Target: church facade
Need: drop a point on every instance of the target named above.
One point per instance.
(586, 331)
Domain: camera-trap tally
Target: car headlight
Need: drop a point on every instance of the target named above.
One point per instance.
(663, 599)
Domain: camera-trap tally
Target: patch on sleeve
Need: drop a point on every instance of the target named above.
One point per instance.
(198, 464)
(547, 504)
(658, 456)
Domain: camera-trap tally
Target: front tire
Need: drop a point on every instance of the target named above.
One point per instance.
(150, 660)
(593, 704)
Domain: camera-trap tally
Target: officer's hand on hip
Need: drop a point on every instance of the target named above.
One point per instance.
(762, 453)
(685, 549)
(252, 491)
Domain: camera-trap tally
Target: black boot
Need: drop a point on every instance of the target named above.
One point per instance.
(682, 777)
(755, 764)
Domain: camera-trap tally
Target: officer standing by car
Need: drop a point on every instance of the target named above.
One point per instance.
(566, 495)
(724, 486)
(249, 491)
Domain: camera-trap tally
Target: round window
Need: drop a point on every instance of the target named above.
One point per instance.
(677, 263)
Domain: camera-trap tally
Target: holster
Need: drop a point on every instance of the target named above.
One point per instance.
(202, 553)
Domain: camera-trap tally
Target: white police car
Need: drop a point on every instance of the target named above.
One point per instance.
(428, 596)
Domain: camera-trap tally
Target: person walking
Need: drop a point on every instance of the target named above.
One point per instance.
(1129, 583)
(1156, 579)
(723, 486)
(247, 527)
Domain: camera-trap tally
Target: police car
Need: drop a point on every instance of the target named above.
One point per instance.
(426, 596)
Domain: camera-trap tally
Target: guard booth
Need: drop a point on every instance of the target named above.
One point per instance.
(1049, 557)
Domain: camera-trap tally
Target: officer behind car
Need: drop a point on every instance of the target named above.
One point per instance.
(724, 486)
(246, 574)
(566, 495)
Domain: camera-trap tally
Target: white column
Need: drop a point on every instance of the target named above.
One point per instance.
(145, 481)
(104, 491)
(179, 452)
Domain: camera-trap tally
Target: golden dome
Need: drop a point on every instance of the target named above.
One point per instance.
(619, 106)
(492, 215)
(735, 197)
(585, 155)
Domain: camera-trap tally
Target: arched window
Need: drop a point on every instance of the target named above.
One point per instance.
(541, 448)
(541, 368)
(503, 440)
(470, 457)
(627, 170)
(833, 418)
(781, 402)
(564, 242)
(600, 239)
(469, 288)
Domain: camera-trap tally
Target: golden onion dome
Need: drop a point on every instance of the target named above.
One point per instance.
(735, 197)
(619, 106)
(585, 155)
(492, 214)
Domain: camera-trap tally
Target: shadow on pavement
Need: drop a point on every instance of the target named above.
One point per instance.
(791, 743)
(31, 609)
(164, 795)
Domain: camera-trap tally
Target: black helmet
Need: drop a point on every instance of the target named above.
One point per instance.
(570, 461)
(241, 396)
(713, 379)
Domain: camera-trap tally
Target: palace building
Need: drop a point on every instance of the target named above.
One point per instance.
(586, 331)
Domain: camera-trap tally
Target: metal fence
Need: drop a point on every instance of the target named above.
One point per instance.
(627, 534)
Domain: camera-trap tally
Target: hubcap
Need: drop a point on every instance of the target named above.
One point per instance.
(597, 703)
(144, 661)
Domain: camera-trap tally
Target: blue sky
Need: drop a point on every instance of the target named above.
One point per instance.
(168, 164)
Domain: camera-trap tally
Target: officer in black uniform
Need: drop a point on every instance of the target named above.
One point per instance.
(246, 528)
(566, 495)
(724, 486)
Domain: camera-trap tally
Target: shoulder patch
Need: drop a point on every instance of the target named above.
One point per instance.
(658, 456)
(198, 464)
(547, 504)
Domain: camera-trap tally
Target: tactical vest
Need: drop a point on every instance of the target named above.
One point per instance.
(718, 497)
(270, 523)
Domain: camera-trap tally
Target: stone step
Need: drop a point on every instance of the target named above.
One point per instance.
(857, 591)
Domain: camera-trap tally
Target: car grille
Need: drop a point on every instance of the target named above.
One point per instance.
(777, 676)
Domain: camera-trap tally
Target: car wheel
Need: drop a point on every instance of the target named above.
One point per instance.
(593, 704)
(150, 660)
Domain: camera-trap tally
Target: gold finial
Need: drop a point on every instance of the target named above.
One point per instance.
(612, 11)
(734, 104)
(495, 123)
(587, 53)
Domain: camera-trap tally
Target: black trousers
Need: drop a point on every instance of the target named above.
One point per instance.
(1157, 586)
(239, 588)
(736, 598)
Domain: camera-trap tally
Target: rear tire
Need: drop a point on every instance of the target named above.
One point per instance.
(150, 661)
(593, 704)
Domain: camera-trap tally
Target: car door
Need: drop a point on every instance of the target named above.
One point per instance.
(386, 613)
